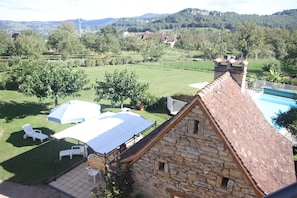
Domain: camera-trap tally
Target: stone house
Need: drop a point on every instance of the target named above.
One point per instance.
(218, 145)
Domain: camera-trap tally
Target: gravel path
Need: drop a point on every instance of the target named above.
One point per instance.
(14, 190)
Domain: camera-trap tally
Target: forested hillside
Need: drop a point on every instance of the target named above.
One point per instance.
(193, 18)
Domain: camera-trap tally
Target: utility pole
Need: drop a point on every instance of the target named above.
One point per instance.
(79, 25)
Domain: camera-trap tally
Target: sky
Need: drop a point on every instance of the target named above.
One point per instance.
(59, 10)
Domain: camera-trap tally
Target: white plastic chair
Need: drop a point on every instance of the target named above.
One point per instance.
(75, 150)
(93, 172)
(33, 133)
(91, 156)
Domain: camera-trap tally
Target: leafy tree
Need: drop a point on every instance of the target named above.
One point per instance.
(289, 62)
(109, 29)
(119, 183)
(276, 38)
(120, 86)
(108, 43)
(5, 42)
(152, 49)
(130, 43)
(65, 40)
(68, 26)
(29, 44)
(288, 120)
(89, 41)
(14, 74)
(250, 37)
(108, 40)
(51, 80)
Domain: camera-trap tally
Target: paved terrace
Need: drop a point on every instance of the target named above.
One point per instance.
(77, 182)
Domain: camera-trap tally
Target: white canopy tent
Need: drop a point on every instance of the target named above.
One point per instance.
(108, 131)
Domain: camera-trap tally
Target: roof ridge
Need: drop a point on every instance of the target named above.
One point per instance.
(205, 90)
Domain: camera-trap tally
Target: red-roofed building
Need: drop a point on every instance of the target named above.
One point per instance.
(218, 145)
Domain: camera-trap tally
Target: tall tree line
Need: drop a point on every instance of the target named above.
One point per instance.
(247, 40)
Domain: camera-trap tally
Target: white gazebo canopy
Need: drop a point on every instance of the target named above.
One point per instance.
(108, 131)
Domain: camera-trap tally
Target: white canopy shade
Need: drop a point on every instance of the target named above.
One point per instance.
(74, 111)
(108, 131)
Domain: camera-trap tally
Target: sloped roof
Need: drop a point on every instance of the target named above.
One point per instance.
(264, 155)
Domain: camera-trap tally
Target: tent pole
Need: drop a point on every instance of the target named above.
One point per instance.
(105, 160)
(54, 161)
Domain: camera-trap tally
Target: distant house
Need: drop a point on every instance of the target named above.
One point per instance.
(218, 145)
(168, 39)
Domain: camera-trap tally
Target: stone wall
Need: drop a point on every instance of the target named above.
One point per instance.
(185, 164)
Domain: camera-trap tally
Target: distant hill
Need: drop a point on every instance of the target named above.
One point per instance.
(44, 27)
(196, 18)
(187, 18)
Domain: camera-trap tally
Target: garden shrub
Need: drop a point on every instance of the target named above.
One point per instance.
(113, 61)
(3, 66)
(119, 184)
(106, 61)
(157, 105)
(69, 63)
(98, 62)
(15, 60)
(89, 62)
(293, 81)
(76, 63)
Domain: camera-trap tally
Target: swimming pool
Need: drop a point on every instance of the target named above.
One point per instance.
(271, 105)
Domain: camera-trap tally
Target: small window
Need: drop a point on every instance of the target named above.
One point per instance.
(193, 126)
(196, 126)
(161, 166)
(224, 182)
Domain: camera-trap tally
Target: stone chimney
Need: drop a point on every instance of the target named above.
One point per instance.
(237, 69)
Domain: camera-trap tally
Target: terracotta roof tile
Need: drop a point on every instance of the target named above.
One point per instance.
(264, 152)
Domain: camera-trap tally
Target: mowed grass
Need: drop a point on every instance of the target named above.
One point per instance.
(28, 162)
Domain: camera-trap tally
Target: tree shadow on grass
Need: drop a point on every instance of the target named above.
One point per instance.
(158, 107)
(39, 164)
(14, 110)
(17, 139)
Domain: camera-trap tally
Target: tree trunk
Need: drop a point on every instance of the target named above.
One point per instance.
(56, 101)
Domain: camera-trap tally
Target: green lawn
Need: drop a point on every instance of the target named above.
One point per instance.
(28, 162)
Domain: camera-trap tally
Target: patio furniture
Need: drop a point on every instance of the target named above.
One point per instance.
(125, 109)
(91, 156)
(74, 111)
(93, 172)
(33, 133)
(75, 150)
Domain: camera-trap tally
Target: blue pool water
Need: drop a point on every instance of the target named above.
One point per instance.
(270, 105)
